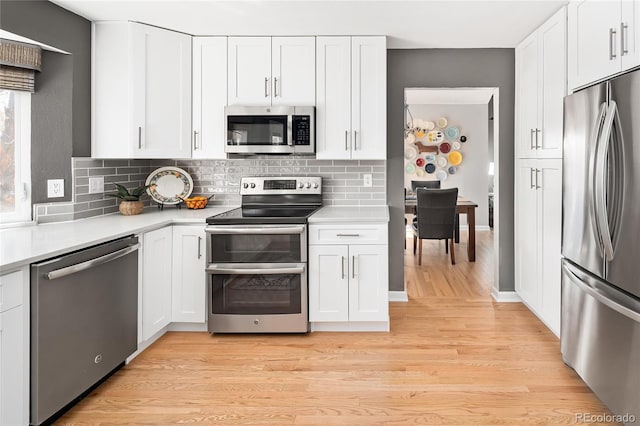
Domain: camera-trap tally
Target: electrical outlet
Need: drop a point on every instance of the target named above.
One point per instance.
(55, 188)
(96, 184)
(367, 180)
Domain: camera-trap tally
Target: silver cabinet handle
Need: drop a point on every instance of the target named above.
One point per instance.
(139, 137)
(275, 87)
(353, 267)
(342, 264)
(195, 140)
(355, 140)
(78, 267)
(538, 131)
(266, 87)
(624, 33)
(346, 136)
(199, 247)
(276, 230)
(612, 41)
(531, 146)
(538, 186)
(347, 235)
(223, 270)
(531, 172)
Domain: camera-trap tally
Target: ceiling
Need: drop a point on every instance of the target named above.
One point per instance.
(408, 24)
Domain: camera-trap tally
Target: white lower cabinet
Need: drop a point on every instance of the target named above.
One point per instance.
(348, 282)
(156, 280)
(188, 283)
(14, 348)
(538, 222)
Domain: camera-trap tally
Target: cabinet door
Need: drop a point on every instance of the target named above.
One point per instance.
(156, 281)
(161, 93)
(630, 34)
(188, 282)
(293, 70)
(368, 283)
(526, 234)
(249, 71)
(552, 42)
(209, 96)
(594, 50)
(527, 83)
(12, 358)
(549, 234)
(333, 104)
(369, 98)
(328, 283)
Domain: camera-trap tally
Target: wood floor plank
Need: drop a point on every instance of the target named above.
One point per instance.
(453, 356)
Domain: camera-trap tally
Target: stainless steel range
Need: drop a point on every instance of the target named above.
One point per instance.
(257, 257)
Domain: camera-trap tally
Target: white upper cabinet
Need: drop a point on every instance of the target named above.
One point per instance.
(141, 92)
(603, 39)
(630, 29)
(293, 70)
(271, 71)
(541, 87)
(351, 75)
(209, 97)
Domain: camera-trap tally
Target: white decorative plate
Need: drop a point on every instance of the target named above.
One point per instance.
(410, 138)
(410, 152)
(441, 175)
(456, 146)
(441, 162)
(169, 185)
(429, 125)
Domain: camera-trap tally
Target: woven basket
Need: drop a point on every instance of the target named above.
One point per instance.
(129, 208)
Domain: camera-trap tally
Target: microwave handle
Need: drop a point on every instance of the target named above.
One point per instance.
(290, 129)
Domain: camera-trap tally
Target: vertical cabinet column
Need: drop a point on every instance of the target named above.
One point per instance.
(156, 282)
(188, 281)
(209, 97)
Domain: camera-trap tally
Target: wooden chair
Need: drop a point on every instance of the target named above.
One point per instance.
(435, 218)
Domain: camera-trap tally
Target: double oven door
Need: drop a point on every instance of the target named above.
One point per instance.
(257, 278)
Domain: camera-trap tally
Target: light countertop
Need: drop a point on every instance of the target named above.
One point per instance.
(27, 244)
(336, 214)
(23, 245)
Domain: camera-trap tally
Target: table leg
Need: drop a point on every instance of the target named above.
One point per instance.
(471, 246)
(456, 232)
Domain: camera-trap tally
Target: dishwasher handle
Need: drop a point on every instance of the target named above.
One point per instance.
(78, 267)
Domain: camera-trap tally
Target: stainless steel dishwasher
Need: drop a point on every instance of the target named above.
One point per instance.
(84, 313)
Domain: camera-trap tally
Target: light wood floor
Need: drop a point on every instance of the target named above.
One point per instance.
(453, 356)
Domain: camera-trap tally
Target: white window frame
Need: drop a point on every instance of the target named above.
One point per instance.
(23, 208)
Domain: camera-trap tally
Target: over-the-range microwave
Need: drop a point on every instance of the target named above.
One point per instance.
(270, 130)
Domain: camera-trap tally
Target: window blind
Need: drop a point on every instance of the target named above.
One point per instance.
(18, 64)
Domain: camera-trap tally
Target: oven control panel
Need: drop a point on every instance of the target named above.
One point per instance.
(280, 185)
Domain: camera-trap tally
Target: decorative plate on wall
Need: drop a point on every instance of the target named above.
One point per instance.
(441, 175)
(410, 152)
(463, 139)
(456, 146)
(441, 122)
(445, 147)
(420, 162)
(410, 169)
(410, 138)
(430, 168)
(452, 132)
(169, 184)
(435, 136)
(419, 172)
(441, 162)
(455, 158)
(453, 170)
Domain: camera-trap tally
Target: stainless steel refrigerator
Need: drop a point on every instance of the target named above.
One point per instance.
(600, 329)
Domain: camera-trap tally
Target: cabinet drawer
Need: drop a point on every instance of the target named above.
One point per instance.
(11, 290)
(376, 233)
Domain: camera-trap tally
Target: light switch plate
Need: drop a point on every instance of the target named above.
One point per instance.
(367, 180)
(96, 184)
(55, 188)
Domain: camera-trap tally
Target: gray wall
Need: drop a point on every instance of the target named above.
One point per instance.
(61, 106)
(449, 68)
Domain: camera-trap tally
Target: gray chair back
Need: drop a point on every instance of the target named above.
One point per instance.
(436, 212)
(432, 184)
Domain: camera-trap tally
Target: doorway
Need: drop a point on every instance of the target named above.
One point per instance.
(439, 122)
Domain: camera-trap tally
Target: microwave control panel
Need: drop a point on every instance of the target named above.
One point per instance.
(301, 130)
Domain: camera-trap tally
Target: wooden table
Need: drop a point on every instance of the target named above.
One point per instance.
(463, 206)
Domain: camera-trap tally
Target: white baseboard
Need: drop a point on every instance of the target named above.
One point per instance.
(350, 326)
(188, 326)
(505, 296)
(478, 228)
(398, 296)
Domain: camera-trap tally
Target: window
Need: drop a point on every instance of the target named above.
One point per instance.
(15, 156)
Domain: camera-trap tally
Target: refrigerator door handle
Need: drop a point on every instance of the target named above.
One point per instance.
(593, 210)
(601, 177)
(592, 287)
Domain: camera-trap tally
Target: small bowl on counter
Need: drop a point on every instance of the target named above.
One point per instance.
(199, 202)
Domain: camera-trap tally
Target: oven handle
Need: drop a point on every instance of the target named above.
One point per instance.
(221, 270)
(256, 231)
